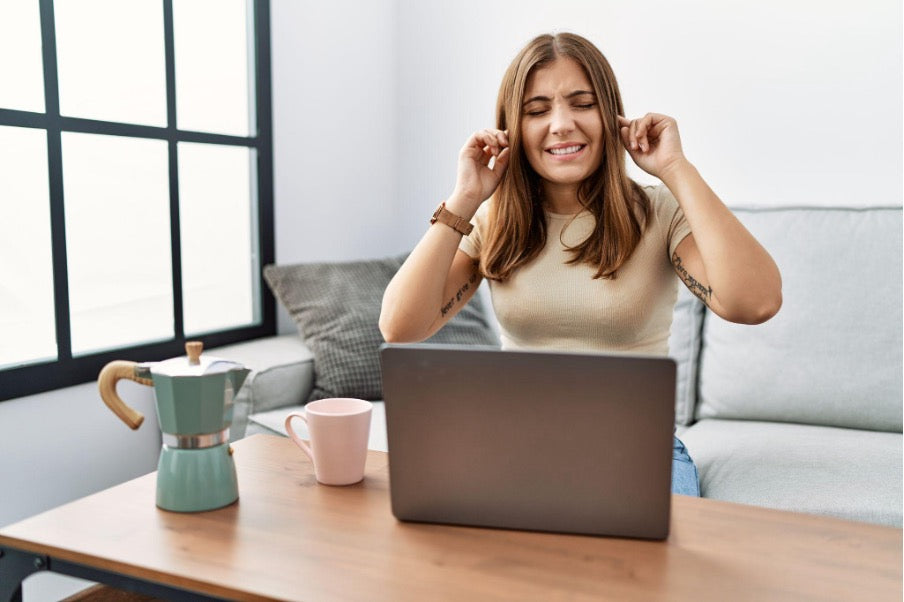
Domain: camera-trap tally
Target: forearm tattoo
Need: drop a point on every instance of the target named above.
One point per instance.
(461, 291)
(704, 293)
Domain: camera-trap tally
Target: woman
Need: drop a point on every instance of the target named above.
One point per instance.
(579, 256)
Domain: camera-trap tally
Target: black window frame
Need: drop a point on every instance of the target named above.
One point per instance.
(66, 370)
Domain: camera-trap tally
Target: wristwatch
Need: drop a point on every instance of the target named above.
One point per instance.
(456, 222)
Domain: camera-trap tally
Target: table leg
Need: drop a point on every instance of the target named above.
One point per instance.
(15, 566)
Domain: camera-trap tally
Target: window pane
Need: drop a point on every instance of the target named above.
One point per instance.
(110, 56)
(219, 252)
(118, 240)
(212, 65)
(20, 37)
(27, 325)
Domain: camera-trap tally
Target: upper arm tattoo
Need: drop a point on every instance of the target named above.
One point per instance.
(704, 293)
(458, 295)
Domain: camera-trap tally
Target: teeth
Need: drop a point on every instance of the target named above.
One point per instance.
(566, 150)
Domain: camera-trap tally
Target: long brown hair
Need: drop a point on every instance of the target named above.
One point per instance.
(517, 231)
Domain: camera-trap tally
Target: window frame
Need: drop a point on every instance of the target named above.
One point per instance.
(66, 370)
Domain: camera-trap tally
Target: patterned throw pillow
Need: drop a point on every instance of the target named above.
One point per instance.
(337, 308)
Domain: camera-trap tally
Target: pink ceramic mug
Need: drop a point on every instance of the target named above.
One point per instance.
(339, 429)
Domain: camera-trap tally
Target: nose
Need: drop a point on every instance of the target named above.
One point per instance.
(561, 121)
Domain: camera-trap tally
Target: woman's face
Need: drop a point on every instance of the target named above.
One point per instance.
(561, 127)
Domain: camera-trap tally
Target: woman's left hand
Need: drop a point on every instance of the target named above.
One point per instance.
(652, 141)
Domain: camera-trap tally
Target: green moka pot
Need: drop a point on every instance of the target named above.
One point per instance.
(194, 396)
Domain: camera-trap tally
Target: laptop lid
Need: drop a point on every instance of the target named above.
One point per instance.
(546, 441)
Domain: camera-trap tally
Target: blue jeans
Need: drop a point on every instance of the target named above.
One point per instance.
(684, 474)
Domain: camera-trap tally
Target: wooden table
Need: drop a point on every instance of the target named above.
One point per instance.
(288, 538)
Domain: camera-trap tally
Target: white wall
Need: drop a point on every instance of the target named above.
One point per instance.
(65, 444)
(334, 128)
(334, 131)
(777, 101)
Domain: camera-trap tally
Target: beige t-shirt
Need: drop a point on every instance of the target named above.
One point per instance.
(549, 304)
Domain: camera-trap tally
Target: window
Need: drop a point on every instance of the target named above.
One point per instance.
(135, 183)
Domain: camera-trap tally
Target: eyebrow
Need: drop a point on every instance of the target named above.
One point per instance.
(547, 99)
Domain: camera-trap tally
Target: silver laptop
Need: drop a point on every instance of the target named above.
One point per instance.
(560, 442)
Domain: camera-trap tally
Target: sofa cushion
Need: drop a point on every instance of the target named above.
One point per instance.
(337, 307)
(833, 354)
(684, 348)
(846, 473)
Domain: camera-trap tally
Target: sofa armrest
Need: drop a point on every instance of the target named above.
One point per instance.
(282, 374)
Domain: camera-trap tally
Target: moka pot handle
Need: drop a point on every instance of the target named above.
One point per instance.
(106, 383)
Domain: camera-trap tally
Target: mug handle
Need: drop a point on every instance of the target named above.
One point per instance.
(298, 440)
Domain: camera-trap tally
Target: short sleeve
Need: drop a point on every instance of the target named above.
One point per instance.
(670, 216)
(472, 244)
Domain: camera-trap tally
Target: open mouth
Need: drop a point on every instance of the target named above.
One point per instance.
(565, 151)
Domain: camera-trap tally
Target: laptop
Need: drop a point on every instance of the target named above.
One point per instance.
(542, 441)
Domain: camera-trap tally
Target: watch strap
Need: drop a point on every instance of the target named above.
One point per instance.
(456, 222)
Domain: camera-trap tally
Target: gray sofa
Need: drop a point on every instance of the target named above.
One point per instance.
(801, 413)
(804, 412)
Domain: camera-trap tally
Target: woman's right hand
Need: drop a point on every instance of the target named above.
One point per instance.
(476, 179)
